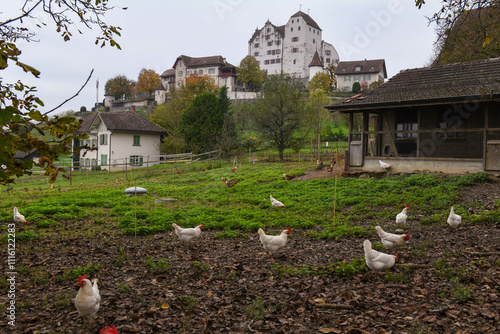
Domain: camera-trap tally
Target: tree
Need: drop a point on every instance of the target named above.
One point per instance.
(330, 69)
(202, 122)
(120, 86)
(319, 81)
(279, 111)
(228, 138)
(148, 81)
(467, 30)
(19, 106)
(249, 72)
(356, 87)
(317, 115)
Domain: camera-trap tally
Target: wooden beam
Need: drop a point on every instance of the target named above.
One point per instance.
(390, 136)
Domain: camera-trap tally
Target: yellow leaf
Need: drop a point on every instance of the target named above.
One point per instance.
(165, 305)
(320, 301)
(487, 40)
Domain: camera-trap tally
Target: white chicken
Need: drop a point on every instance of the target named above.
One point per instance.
(88, 299)
(376, 260)
(390, 240)
(401, 217)
(275, 203)
(384, 165)
(18, 218)
(187, 234)
(273, 243)
(453, 219)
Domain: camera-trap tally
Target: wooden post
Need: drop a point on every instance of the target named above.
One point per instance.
(311, 148)
(126, 171)
(319, 147)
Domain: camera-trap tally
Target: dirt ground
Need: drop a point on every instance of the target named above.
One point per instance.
(445, 282)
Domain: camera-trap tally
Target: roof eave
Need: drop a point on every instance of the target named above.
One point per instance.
(421, 102)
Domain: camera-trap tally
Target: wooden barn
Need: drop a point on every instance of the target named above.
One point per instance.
(439, 119)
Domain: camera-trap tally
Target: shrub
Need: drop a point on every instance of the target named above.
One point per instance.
(356, 87)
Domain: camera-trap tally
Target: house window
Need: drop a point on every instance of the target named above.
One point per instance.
(278, 51)
(407, 121)
(273, 61)
(255, 54)
(367, 77)
(291, 29)
(299, 28)
(267, 37)
(358, 68)
(211, 70)
(268, 29)
(256, 45)
(200, 72)
(295, 50)
(295, 39)
(266, 62)
(278, 60)
(180, 73)
(295, 61)
(94, 142)
(356, 78)
(269, 52)
(314, 41)
(278, 42)
(270, 43)
(137, 141)
(328, 52)
(103, 139)
(104, 159)
(327, 60)
(136, 160)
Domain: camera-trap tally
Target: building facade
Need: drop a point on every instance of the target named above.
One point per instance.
(290, 48)
(366, 72)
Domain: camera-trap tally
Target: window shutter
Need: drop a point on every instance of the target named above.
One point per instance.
(140, 160)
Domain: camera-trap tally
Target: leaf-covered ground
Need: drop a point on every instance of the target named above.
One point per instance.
(446, 281)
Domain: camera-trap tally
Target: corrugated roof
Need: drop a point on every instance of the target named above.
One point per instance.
(445, 82)
(364, 66)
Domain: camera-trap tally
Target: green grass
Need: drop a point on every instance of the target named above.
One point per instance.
(203, 199)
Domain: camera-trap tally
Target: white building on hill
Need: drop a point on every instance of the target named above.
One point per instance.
(290, 48)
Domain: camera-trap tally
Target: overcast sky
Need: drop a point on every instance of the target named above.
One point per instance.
(156, 32)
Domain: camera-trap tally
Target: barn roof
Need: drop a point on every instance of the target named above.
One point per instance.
(428, 85)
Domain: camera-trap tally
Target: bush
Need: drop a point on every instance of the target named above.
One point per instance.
(356, 87)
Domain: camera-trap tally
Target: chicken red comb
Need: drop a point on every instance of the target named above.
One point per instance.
(397, 257)
(201, 226)
(408, 207)
(109, 330)
(82, 278)
(289, 229)
(407, 237)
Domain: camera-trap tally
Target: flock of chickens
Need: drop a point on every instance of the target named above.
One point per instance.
(88, 299)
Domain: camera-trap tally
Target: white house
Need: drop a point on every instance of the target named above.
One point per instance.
(119, 137)
(291, 47)
(215, 67)
(365, 72)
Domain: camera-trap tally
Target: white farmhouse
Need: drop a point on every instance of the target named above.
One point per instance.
(119, 138)
(290, 48)
(365, 72)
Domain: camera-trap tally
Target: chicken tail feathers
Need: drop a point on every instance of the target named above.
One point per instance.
(176, 227)
(367, 245)
(379, 230)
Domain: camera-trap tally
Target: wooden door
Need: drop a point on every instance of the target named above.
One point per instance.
(492, 155)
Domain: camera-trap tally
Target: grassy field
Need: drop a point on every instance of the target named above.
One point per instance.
(201, 198)
(160, 286)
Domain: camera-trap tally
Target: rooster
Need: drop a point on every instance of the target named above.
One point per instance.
(19, 218)
(223, 179)
(275, 203)
(384, 165)
(233, 169)
(319, 165)
(401, 217)
(376, 260)
(390, 240)
(88, 299)
(109, 330)
(329, 169)
(230, 184)
(453, 219)
(289, 176)
(273, 243)
(187, 234)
